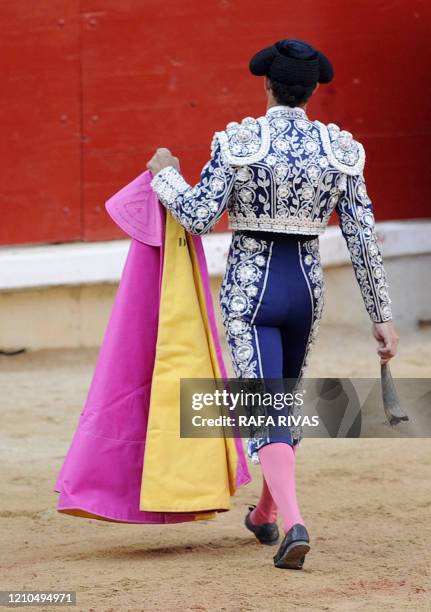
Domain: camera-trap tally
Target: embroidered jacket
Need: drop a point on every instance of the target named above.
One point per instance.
(282, 172)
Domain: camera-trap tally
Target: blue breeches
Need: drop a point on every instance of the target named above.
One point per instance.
(271, 301)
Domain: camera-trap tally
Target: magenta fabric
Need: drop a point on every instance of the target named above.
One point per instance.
(136, 209)
(102, 471)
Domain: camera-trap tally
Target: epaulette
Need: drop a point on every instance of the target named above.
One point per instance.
(343, 151)
(246, 142)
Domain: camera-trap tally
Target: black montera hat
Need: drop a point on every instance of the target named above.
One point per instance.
(293, 62)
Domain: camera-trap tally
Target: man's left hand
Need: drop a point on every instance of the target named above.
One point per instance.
(387, 339)
(162, 158)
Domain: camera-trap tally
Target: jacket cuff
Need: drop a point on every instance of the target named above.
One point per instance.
(168, 184)
(383, 316)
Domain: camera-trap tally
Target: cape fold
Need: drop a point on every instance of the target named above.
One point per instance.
(127, 461)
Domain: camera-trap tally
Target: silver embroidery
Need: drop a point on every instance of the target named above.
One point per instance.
(312, 267)
(344, 153)
(280, 225)
(293, 188)
(240, 298)
(357, 224)
(247, 270)
(245, 143)
(196, 208)
(309, 258)
(286, 174)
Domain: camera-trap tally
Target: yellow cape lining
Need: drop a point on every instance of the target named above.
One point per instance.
(183, 474)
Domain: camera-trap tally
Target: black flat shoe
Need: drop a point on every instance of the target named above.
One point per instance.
(294, 547)
(267, 533)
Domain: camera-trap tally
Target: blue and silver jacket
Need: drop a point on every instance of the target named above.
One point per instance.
(283, 172)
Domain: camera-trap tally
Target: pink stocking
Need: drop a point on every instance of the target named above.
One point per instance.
(266, 510)
(277, 461)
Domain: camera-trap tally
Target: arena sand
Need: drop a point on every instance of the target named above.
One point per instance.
(367, 504)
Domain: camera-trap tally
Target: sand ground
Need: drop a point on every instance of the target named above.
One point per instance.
(367, 505)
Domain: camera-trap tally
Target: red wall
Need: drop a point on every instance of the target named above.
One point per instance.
(92, 87)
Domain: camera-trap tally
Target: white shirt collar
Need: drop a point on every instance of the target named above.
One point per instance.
(297, 111)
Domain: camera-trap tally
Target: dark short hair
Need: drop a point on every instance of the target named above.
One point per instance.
(291, 95)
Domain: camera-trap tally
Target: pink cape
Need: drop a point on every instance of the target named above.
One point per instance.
(102, 471)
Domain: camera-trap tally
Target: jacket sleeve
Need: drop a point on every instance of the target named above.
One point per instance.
(197, 208)
(356, 220)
